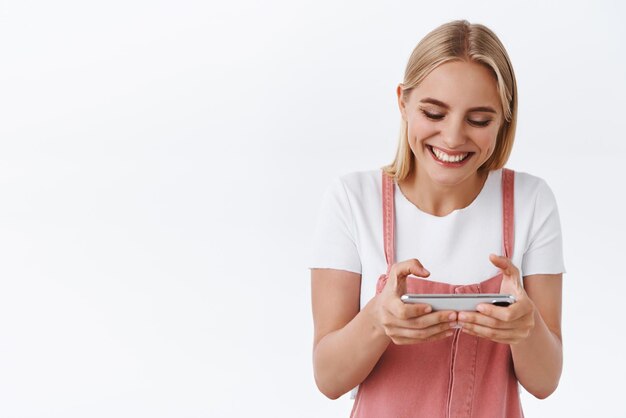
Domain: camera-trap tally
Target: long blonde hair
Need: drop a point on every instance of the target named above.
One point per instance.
(455, 41)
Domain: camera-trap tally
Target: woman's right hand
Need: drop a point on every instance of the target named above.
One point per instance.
(406, 323)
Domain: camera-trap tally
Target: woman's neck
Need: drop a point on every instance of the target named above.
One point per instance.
(440, 199)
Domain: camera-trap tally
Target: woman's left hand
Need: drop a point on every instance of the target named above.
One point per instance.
(510, 324)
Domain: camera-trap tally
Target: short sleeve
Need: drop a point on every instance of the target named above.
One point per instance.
(334, 244)
(544, 254)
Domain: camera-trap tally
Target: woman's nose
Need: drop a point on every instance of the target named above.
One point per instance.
(454, 134)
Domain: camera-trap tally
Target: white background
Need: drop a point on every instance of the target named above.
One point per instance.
(161, 166)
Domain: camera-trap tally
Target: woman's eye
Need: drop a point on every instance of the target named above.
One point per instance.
(432, 116)
(479, 123)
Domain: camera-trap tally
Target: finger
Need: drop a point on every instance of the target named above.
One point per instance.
(485, 320)
(499, 339)
(498, 335)
(407, 341)
(402, 310)
(425, 320)
(503, 264)
(434, 318)
(504, 313)
(510, 275)
(420, 334)
(401, 270)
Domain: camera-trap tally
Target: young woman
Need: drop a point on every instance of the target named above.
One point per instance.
(444, 217)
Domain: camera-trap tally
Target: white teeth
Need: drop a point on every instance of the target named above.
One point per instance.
(442, 156)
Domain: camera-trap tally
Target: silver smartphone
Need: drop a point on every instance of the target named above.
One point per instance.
(458, 302)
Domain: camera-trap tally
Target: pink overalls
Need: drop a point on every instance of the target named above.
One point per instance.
(459, 376)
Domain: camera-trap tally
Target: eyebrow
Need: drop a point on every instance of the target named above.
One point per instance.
(446, 106)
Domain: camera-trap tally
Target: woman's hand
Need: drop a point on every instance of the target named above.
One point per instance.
(510, 324)
(408, 323)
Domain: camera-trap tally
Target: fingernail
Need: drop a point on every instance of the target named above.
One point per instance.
(462, 317)
(452, 316)
(428, 309)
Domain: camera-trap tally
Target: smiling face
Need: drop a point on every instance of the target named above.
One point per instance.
(453, 118)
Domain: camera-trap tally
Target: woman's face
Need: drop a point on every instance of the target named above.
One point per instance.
(453, 118)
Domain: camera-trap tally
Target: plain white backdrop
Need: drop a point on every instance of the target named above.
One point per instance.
(161, 166)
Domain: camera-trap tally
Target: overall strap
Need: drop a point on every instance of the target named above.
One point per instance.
(508, 219)
(388, 219)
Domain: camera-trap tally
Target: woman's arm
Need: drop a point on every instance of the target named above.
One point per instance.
(539, 358)
(532, 326)
(349, 342)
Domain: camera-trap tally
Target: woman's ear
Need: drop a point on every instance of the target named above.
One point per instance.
(401, 103)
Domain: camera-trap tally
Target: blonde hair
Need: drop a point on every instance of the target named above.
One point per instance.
(456, 41)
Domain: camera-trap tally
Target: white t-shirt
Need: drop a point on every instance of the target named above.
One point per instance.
(455, 248)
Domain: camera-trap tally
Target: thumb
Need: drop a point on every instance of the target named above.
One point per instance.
(503, 264)
(510, 274)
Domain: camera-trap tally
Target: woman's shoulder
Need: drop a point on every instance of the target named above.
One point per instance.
(359, 183)
(527, 184)
(533, 191)
(361, 177)
(355, 189)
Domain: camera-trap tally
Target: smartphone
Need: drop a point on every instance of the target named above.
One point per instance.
(458, 302)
